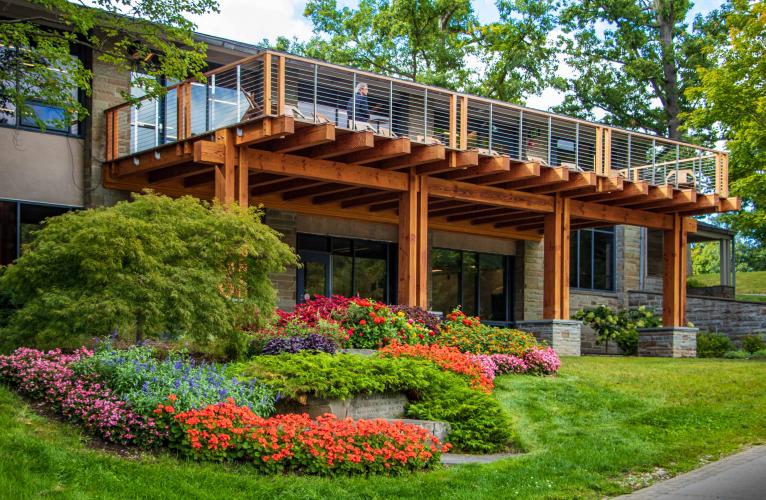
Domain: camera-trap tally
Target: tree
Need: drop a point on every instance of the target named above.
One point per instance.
(153, 38)
(627, 56)
(706, 257)
(731, 100)
(154, 266)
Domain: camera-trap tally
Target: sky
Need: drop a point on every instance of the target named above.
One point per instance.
(251, 21)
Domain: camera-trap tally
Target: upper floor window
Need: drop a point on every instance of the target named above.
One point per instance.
(52, 114)
(592, 259)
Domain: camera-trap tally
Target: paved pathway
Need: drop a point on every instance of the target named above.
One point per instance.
(738, 477)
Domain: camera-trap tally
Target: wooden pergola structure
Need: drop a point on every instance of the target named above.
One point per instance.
(281, 159)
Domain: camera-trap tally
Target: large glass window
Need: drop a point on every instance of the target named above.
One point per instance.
(478, 282)
(50, 113)
(344, 266)
(592, 259)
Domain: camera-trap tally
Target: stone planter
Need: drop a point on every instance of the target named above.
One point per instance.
(388, 405)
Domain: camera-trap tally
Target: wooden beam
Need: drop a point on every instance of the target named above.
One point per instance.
(243, 184)
(619, 215)
(368, 200)
(731, 204)
(380, 207)
(509, 217)
(344, 144)
(440, 188)
(324, 188)
(419, 156)
(176, 172)
(151, 160)
(304, 138)
(454, 160)
(350, 193)
(518, 172)
(199, 179)
(383, 149)
(487, 166)
(324, 170)
(408, 244)
(224, 172)
(682, 197)
(263, 130)
(556, 260)
(463, 122)
(209, 153)
(423, 271)
(472, 212)
(704, 203)
(283, 185)
(656, 193)
(547, 176)
(267, 83)
(519, 220)
(629, 190)
(453, 121)
(280, 84)
(576, 182)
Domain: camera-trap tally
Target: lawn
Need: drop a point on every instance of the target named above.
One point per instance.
(750, 286)
(586, 430)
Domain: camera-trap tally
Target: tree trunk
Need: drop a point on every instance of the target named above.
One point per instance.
(669, 88)
(140, 319)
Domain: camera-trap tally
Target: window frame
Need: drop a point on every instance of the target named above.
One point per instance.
(19, 203)
(576, 259)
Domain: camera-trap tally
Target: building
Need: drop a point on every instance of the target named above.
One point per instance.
(412, 194)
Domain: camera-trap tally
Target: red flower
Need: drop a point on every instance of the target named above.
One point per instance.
(363, 322)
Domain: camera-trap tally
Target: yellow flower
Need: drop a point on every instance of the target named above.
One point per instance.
(400, 314)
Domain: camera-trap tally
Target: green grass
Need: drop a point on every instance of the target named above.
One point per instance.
(750, 286)
(600, 420)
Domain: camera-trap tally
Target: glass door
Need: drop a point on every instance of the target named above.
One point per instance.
(314, 276)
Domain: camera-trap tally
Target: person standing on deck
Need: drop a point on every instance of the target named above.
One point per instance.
(358, 107)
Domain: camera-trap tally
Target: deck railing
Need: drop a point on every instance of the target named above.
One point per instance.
(274, 84)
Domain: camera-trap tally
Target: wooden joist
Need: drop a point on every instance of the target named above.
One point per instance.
(464, 191)
(263, 130)
(420, 155)
(487, 166)
(576, 182)
(517, 172)
(170, 174)
(383, 150)
(681, 198)
(282, 185)
(324, 188)
(619, 215)
(454, 160)
(343, 145)
(656, 193)
(630, 189)
(368, 200)
(547, 177)
(304, 138)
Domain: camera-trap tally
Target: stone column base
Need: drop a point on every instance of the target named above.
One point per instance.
(561, 334)
(668, 342)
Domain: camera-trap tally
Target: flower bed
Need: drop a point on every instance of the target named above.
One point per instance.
(468, 334)
(47, 376)
(225, 431)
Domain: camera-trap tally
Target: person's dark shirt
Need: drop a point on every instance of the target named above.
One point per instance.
(362, 108)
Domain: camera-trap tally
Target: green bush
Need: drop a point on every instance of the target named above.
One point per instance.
(151, 267)
(759, 354)
(753, 343)
(740, 354)
(478, 422)
(622, 327)
(713, 345)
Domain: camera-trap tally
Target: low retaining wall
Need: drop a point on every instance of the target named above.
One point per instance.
(731, 317)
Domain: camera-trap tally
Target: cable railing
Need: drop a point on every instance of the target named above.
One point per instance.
(276, 84)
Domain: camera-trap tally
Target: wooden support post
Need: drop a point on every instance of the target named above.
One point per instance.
(453, 121)
(556, 261)
(674, 274)
(599, 158)
(408, 235)
(607, 167)
(187, 110)
(109, 153)
(422, 270)
(243, 181)
(463, 122)
(225, 172)
(180, 92)
(281, 86)
(267, 84)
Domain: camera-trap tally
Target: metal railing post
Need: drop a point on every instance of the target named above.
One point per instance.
(316, 76)
(678, 157)
(391, 106)
(550, 136)
(135, 128)
(577, 144)
(489, 141)
(212, 102)
(654, 161)
(239, 92)
(521, 134)
(156, 122)
(630, 144)
(425, 116)
(353, 103)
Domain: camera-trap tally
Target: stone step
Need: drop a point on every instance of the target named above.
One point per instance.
(438, 429)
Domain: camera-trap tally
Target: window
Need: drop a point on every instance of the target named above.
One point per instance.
(18, 221)
(48, 112)
(592, 259)
(479, 282)
(345, 266)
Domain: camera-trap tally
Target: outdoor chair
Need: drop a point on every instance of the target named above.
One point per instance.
(254, 109)
(684, 178)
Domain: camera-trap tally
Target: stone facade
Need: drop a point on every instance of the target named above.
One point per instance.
(562, 335)
(387, 405)
(730, 317)
(671, 342)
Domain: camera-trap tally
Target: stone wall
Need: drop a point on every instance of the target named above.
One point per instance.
(731, 317)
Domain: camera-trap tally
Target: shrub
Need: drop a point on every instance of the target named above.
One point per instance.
(225, 431)
(83, 400)
(468, 334)
(622, 327)
(478, 422)
(450, 359)
(759, 354)
(150, 267)
(289, 326)
(542, 361)
(713, 345)
(311, 342)
(419, 315)
(372, 325)
(144, 381)
(505, 363)
(753, 343)
(737, 355)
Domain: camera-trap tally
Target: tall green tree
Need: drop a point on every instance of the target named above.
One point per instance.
(149, 267)
(731, 99)
(633, 61)
(151, 37)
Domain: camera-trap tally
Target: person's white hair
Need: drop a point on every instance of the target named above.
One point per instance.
(360, 86)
